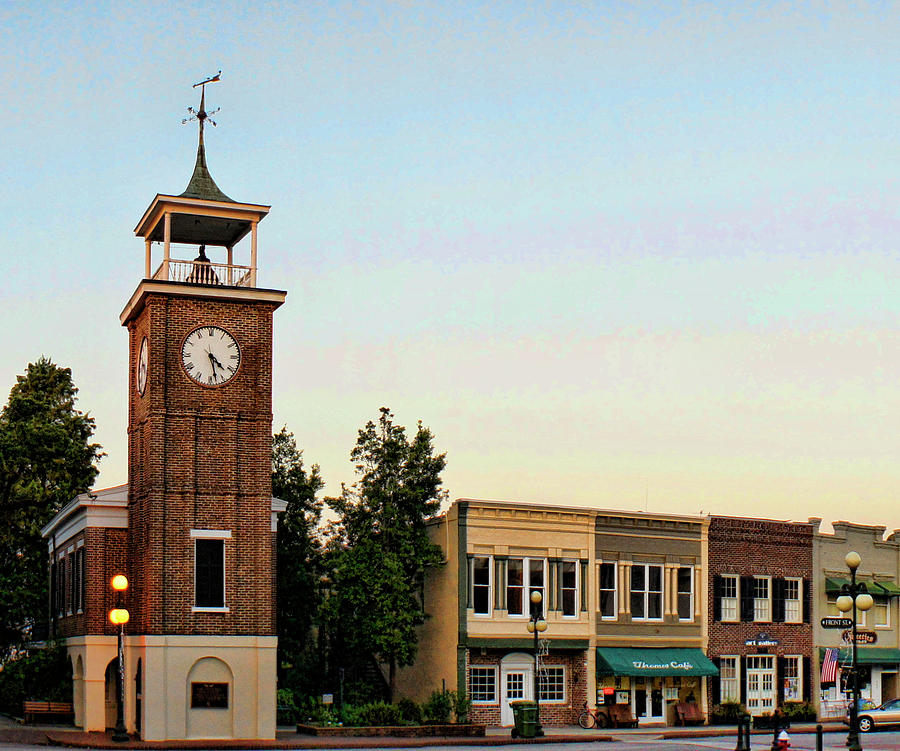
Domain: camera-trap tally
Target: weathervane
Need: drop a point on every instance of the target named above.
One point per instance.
(201, 114)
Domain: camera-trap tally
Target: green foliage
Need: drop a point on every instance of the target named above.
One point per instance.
(380, 713)
(46, 459)
(798, 710)
(410, 712)
(300, 569)
(438, 707)
(379, 548)
(461, 705)
(728, 712)
(41, 674)
(288, 712)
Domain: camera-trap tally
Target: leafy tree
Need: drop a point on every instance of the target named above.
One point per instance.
(380, 547)
(46, 459)
(299, 563)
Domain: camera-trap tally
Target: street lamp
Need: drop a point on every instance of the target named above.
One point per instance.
(536, 625)
(119, 617)
(854, 597)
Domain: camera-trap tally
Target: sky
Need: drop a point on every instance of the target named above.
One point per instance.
(627, 255)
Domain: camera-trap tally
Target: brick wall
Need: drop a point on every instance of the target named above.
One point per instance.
(552, 714)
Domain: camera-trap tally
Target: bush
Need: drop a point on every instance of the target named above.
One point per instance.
(727, 713)
(461, 705)
(287, 707)
(410, 712)
(42, 674)
(380, 713)
(798, 710)
(438, 707)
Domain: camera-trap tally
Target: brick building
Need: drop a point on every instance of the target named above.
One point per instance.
(193, 530)
(760, 632)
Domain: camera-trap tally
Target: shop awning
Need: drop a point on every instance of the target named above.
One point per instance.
(635, 662)
(867, 655)
(833, 584)
(889, 588)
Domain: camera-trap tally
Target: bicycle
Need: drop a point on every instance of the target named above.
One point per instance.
(590, 718)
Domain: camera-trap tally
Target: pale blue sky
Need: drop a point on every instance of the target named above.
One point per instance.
(610, 253)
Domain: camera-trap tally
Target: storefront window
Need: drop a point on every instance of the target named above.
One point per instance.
(729, 687)
(608, 591)
(793, 691)
(483, 685)
(553, 683)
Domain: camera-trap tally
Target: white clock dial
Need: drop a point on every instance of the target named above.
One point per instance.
(142, 367)
(210, 355)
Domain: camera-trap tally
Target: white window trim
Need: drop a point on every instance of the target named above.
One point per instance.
(888, 601)
(799, 662)
(491, 584)
(736, 680)
(526, 587)
(564, 686)
(646, 591)
(769, 598)
(690, 618)
(211, 534)
(575, 562)
(486, 702)
(615, 590)
(799, 601)
(736, 598)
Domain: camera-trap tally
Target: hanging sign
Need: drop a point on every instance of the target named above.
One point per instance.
(762, 639)
(834, 622)
(862, 637)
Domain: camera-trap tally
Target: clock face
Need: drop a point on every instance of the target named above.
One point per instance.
(142, 367)
(210, 356)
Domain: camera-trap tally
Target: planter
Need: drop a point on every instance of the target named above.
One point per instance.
(395, 731)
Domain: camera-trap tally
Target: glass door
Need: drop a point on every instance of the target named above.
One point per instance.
(760, 684)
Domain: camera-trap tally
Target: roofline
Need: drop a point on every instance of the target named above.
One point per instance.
(259, 209)
(590, 510)
(90, 499)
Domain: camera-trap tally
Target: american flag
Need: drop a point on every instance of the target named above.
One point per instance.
(830, 665)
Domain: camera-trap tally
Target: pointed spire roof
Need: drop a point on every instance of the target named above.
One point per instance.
(202, 185)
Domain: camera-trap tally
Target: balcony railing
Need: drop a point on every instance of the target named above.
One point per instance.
(201, 272)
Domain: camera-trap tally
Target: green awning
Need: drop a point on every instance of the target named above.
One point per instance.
(636, 662)
(890, 589)
(833, 584)
(867, 655)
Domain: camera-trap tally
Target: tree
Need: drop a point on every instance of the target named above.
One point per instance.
(299, 557)
(379, 545)
(46, 459)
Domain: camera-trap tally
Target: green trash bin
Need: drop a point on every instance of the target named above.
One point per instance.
(525, 719)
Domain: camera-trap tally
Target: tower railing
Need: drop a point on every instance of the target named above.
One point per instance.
(201, 272)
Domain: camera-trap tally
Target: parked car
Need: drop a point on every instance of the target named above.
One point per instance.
(869, 718)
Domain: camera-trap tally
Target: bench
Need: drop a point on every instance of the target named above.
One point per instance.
(620, 716)
(689, 712)
(59, 710)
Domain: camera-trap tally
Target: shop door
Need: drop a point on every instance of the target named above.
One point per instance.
(648, 704)
(888, 686)
(517, 682)
(760, 684)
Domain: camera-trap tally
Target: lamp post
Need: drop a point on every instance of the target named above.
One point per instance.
(119, 617)
(853, 598)
(536, 625)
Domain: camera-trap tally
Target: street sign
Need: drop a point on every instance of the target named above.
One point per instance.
(862, 637)
(832, 622)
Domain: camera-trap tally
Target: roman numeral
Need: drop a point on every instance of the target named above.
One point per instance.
(234, 357)
(189, 367)
(232, 345)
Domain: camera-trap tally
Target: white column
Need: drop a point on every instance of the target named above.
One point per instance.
(230, 265)
(167, 239)
(253, 226)
(146, 259)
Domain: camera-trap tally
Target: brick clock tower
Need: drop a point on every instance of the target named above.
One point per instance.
(200, 645)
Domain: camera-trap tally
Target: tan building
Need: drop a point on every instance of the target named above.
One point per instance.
(622, 595)
(878, 651)
(193, 530)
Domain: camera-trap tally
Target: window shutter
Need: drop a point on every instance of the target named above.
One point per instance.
(805, 583)
(714, 684)
(779, 681)
(742, 677)
(747, 598)
(717, 599)
(582, 584)
(807, 679)
(778, 600)
(471, 584)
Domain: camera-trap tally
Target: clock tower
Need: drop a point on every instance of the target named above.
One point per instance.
(201, 644)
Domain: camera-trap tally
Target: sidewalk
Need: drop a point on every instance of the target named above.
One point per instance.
(11, 731)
